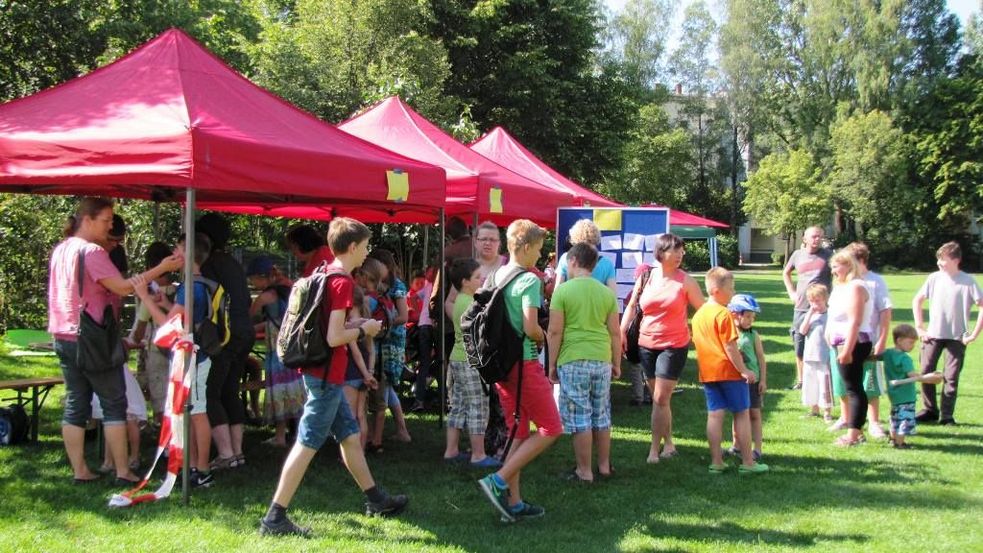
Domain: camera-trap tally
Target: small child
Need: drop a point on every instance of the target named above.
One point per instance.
(723, 373)
(816, 393)
(898, 365)
(469, 407)
(358, 375)
(744, 309)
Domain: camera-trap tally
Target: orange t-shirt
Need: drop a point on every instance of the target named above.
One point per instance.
(664, 306)
(713, 327)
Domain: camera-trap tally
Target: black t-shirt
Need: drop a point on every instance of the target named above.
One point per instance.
(225, 270)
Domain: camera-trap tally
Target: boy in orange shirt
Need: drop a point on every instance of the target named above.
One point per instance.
(723, 373)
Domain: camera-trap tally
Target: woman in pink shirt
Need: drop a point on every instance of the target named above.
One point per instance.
(664, 338)
(102, 285)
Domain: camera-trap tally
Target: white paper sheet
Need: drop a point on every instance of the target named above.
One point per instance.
(650, 242)
(624, 290)
(630, 260)
(609, 243)
(625, 275)
(611, 256)
(632, 241)
(648, 258)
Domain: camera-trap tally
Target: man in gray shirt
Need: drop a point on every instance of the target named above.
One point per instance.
(951, 294)
(811, 264)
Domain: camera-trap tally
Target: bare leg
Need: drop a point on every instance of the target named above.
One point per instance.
(756, 437)
(451, 449)
(522, 453)
(742, 422)
(662, 417)
(477, 447)
(235, 431)
(602, 441)
(654, 447)
(293, 472)
(116, 443)
(402, 432)
(715, 425)
(74, 438)
(582, 444)
(798, 370)
(378, 425)
(223, 440)
(133, 437)
(354, 457)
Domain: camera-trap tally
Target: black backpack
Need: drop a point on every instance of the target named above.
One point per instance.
(14, 425)
(492, 344)
(303, 341)
(212, 333)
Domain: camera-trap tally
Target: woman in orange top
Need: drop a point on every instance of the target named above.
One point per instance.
(664, 336)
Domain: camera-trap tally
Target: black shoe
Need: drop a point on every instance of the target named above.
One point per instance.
(927, 416)
(948, 422)
(390, 506)
(283, 528)
(200, 479)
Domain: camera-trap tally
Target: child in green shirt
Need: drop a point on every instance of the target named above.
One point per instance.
(744, 309)
(898, 366)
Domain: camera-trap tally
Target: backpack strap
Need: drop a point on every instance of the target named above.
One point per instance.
(211, 288)
(329, 271)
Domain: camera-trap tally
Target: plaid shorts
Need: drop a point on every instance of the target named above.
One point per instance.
(585, 395)
(903, 419)
(469, 404)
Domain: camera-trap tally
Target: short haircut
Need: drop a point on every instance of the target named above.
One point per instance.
(845, 257)
(461, 269)
(456, 228)
(487, 225)
(666, 243)
(950, 250)
(716, 278)
(156, 252)
(860, 251)
(584, 254)
(343, 232)
(216, 227)
(904, 331)
(817, 290)
(203, 247)
(306, 238)
(522, 232)
(585, 231)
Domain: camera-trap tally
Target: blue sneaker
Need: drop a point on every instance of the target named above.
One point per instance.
(488, 462)
(498, 495)
(523, 511)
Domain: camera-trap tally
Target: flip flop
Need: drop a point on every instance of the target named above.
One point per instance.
(605, 476)
(84, 481)
(572, 476)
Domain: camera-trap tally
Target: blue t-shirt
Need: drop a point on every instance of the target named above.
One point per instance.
(603, 271)
(201, 308)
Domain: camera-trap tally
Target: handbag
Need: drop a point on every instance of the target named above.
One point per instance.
(635, 325)
(100, 347)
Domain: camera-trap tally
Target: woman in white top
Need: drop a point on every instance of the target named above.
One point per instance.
(849, 334)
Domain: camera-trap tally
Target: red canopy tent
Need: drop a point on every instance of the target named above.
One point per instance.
(171, 116)
(684, 219)
(500, 147)
(475, 184)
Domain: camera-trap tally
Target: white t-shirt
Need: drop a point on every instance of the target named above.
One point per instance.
(877, 289)
(837, 316)
(816, 348)
(950, 300)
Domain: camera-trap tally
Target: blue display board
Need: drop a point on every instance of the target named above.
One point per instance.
(627, 236)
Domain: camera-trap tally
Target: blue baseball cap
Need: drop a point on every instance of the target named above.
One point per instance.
(260, 266)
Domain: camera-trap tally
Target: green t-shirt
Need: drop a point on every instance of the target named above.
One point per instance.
(745, 342)
(897, 365)
(586, 305)
(526, 290)
(460, 306)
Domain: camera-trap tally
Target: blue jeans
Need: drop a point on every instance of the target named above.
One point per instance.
(326, 413)
(80, 384)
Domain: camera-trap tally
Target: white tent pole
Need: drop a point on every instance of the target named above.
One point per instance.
(189, 311)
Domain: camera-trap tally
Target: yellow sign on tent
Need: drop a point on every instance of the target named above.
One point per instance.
(607, 219)
(495, 200)
(399, 185)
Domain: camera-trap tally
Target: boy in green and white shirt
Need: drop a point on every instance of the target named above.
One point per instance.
(897, 366)
(744, 308)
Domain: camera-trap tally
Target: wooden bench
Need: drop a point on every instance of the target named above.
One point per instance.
(31, 392)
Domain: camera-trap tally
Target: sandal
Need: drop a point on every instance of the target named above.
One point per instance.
(668, 454)
(222, 463)
(572, 476)
(374, 448)
(239, 460)
(605, 475)
(844, 441)
(717, 469)
(84, 481)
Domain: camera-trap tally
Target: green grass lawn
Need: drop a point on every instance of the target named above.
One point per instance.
(817, 497)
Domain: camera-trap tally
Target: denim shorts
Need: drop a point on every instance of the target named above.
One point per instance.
(326, 413)
(357, 383)
(731, 395)
(80, 384)
(666, 363)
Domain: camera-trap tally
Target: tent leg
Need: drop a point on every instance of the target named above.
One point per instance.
(189, 308)
(474, 236)
(426, 246)
(443, 343)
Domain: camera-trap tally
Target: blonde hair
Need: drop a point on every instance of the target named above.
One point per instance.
(815, 291)
(845, 257)
(716, 278)
(523, 232)
(585, 231)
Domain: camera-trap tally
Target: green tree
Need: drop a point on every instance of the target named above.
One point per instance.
(637, 36)
(786, 193)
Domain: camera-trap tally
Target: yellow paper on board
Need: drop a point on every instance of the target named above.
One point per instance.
(495, 200)
(607, 219)
(399, 185)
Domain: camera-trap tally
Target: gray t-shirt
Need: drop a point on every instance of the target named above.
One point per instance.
(950, 300)
(811, 268)
(877, 289)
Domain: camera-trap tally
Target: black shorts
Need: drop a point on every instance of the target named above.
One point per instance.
(798, 340)
(755, 396)
(663, 363)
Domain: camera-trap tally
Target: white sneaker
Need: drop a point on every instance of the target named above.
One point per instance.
(840, 424)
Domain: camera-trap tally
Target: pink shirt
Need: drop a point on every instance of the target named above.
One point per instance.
(63, 295)
(664, 308)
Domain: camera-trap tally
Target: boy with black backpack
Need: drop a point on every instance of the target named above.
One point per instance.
(326, 413)
(526, 389)
(204, 291)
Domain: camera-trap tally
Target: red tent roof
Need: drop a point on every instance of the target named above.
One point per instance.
(470, 176)
(683, 219)
(172, 115)
(500, 147)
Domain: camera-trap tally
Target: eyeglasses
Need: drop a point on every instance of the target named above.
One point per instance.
(488, 240)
